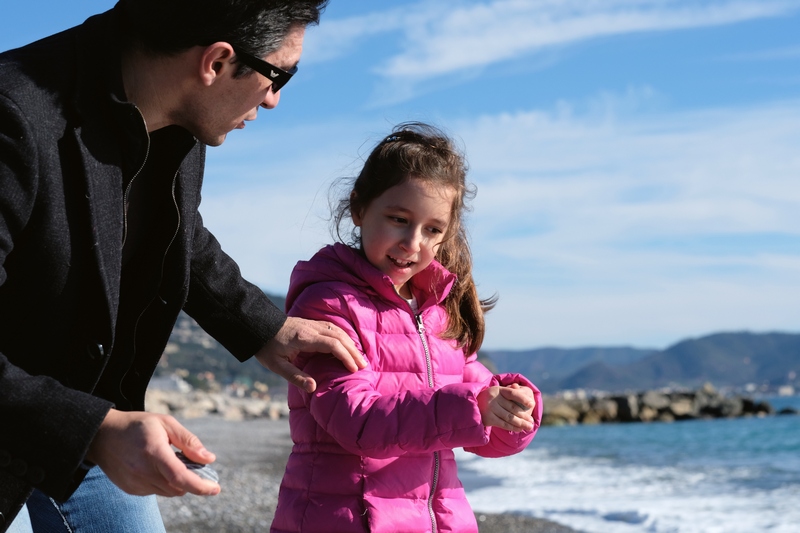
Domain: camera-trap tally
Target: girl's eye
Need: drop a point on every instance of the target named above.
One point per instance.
(399, 220)
(435, 231)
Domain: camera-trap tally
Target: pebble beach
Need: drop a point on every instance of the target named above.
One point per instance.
(251, 456)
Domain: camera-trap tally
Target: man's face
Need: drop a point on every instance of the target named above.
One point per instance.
(229, 102)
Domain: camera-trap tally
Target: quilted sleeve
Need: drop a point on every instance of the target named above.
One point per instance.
(350, 409)
(502, 442)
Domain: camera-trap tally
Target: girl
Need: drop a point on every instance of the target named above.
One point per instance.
(373, 449)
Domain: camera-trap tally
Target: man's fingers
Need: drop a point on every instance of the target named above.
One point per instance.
(186, 441)
(293, 375)
(304, 382)
(350, 362)
(166, 490)
(134, 450)
(180, 480)
(300, 335)
(343, 349)
(286, 370)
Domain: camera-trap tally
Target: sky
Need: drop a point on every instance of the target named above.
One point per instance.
(637, 161)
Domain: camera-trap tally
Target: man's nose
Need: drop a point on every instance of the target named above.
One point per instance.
(271, 100)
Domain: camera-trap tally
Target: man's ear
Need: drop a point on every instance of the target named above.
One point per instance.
(215, 60)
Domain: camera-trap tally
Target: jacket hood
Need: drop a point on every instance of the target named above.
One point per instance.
(341, 263)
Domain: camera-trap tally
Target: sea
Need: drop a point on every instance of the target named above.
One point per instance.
(698, 476)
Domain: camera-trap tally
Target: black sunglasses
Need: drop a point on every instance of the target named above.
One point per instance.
(276, 75)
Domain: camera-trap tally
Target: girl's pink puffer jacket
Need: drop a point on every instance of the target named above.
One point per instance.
(373, 449)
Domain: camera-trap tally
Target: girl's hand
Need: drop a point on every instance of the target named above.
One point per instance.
(526, 401)
(509, 408)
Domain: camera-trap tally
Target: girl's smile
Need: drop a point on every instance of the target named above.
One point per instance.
(402, 228)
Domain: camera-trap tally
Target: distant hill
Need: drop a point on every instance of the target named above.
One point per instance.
(194, 351)
(730, 359)
(551, 365)
(724, 359)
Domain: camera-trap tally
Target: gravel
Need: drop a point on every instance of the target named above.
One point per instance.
(251, 457)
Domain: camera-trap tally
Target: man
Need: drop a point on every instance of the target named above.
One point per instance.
(103, 130)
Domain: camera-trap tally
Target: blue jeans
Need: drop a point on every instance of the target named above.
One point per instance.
(98, 506)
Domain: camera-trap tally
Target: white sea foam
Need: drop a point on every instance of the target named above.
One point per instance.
(603, 495)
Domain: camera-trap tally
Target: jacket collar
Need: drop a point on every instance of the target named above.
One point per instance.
(339, 262)
(101, 107)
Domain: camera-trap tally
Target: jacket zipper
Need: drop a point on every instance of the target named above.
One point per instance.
(174, 236)
(433, 489)
(130, 184)
(429, 364)
(163, 257)
(125, 236)
(160, 279)
(421, 331)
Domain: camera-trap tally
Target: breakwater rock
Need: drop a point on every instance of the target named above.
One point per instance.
(197, 403)
(650, 406)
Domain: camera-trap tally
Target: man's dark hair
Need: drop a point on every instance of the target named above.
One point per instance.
(257, 27)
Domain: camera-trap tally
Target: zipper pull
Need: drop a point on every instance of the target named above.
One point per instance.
(420, 325)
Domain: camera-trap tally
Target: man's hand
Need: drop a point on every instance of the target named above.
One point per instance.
(301, 335)
(134, 451)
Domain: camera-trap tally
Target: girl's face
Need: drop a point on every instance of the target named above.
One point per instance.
(402, 228)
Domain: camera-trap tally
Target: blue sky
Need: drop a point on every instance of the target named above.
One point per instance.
(637, 161)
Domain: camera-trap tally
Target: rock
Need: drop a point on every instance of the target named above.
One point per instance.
(278, 410)
(748, 406)
(665, 416)
(682, 408)
(254, 408)
(764, 408)
(559, 410)
(233, 413)
(196, 404)
(708, 389)
(724, 408)
(155, 402)
(627, 408)
(647, 414)
(655, 400)
(591, 417)
(606, 408)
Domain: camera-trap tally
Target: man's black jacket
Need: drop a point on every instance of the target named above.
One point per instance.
(67, 141)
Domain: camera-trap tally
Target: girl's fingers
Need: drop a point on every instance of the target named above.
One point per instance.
(515, 425)
(509, 416)
(521, 396)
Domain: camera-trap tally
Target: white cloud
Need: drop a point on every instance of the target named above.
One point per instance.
(339, 37)
(442, 38)
(716, 171)
(600, 226)
(592, 229)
